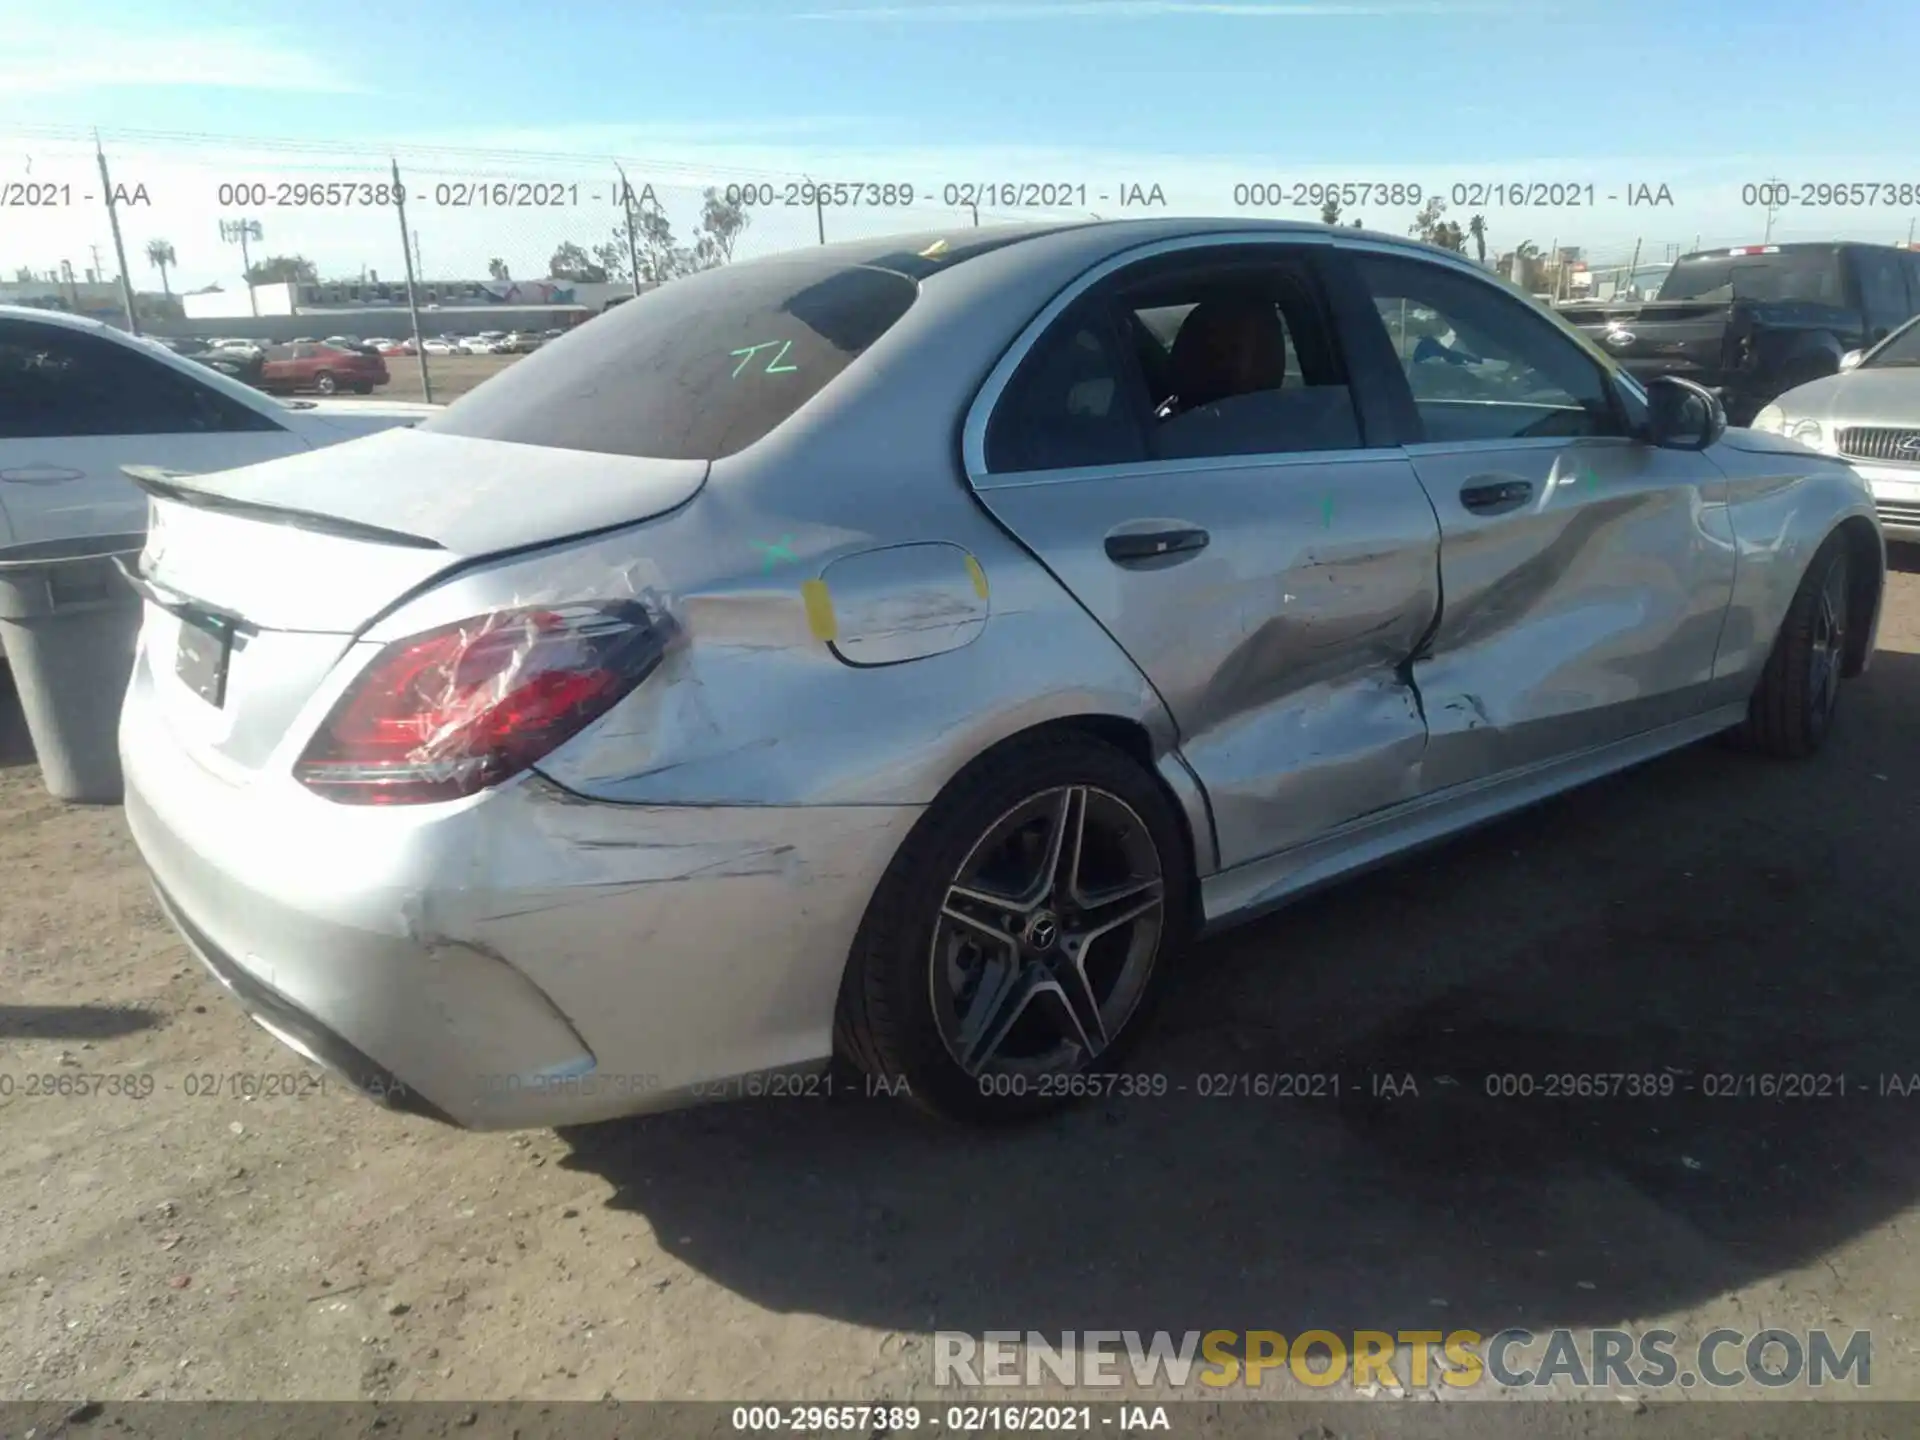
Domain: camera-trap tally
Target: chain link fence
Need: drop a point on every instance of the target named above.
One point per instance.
(453, 261)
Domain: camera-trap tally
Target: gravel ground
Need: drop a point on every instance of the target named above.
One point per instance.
(1710, 913)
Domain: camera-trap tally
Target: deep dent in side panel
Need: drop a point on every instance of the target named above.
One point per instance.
(949, 682)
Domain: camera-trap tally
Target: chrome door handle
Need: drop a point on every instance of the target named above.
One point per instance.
(1130, 547)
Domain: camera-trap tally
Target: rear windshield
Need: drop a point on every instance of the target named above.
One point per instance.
(1803, 275)
(695, 370)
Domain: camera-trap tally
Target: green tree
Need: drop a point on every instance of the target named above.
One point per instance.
(276, 269)
(160, 255)
(721, 225)
(1477, 228)
(571, 262)
(610, 257)
(497, 268)
(1330, 212)
(1427, 222)
(662, 257)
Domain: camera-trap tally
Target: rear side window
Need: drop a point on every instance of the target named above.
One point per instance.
(1807, 275)
(696, 370)
(59, 382)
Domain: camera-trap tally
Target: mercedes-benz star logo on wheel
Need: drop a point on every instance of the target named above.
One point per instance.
(1043, 932)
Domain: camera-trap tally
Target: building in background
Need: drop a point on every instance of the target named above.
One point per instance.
(287, 309)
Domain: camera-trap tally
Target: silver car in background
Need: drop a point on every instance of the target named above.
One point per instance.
(1869, 415)
(897, 649)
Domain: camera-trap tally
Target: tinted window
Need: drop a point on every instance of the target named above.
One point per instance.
(694, 370)
(1180, 361)
(1481, 365)
(1883, 287)
(1071, 403)
(1808, 275)
(57, 382)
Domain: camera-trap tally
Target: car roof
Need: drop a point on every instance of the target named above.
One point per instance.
(923, 254)
(56, 317)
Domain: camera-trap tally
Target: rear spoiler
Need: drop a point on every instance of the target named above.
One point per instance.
(168, 485)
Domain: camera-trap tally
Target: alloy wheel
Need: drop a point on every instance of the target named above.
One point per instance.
(1048, 934)
(1828, 648)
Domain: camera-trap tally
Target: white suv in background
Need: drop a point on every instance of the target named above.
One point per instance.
(79, 400)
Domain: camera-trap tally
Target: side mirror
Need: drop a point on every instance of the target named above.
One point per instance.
(1852, 358)
(1682, 415)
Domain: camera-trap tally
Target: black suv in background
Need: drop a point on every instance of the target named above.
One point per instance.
(1755, 321)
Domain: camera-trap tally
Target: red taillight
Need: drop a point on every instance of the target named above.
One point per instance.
(453, 711)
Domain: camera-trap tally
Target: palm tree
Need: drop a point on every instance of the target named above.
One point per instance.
(497, 268)
(160, 254)
(1477, 228)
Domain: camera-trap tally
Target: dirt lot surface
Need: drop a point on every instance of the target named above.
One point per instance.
(452, 375)
(1711, 914)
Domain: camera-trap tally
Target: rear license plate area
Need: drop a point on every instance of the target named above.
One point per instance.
(204, 656)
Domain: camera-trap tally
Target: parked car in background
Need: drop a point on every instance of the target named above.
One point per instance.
(1755, 321)
(488, 342)
(1868, 415)
(392, 347)
(242, 364)
(522, 342)
(323, 367)
(79, 399)
(1178, 631)
(441, 345)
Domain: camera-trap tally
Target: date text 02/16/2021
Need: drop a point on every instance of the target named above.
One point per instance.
(1461, 194)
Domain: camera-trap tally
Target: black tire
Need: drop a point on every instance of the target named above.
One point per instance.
(1792, 709)
(325, 383)
(889, 1022)
(365, 387)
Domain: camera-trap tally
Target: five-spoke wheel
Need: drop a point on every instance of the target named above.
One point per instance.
(1018, 938)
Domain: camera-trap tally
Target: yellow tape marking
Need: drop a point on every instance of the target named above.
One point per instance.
(979, 577)
(819, 609)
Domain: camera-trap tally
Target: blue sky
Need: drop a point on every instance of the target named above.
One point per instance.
(1191, 94)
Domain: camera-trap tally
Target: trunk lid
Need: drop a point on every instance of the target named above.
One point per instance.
(323, 541)
(258, 579)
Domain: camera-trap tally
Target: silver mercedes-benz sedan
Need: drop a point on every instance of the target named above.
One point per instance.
(1869, 414)
(895, 651)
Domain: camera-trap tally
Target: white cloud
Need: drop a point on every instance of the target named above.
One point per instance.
(979, 11)
(37, 60)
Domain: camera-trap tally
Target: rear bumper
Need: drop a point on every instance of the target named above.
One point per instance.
(525, 959)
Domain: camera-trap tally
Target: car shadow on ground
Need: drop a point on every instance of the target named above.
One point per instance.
(16, 746)
(1707, 922)
(73, 1022)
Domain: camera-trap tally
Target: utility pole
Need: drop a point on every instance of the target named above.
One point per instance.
(119, 248)
(626, 208)
(73, 290)
(413, 299)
